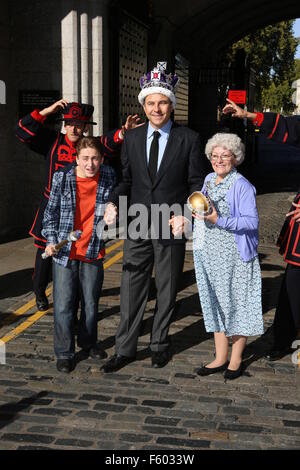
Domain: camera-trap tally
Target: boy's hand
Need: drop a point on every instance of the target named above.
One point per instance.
(110, 213)
(50, 250)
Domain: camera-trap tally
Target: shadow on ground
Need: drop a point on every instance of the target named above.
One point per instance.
(16, 283)
(9, 411)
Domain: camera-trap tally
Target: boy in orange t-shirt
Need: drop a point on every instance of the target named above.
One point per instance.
(77, 202)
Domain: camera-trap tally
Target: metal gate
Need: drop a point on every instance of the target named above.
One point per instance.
(133, 49)
(181, 113)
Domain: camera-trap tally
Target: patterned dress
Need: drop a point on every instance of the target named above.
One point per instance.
(229, 288)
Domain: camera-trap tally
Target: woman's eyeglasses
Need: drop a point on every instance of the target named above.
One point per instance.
(226, 158)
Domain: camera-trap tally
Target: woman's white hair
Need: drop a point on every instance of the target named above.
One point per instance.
(231, 142)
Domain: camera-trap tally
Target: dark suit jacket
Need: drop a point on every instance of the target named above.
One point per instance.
(181, 171)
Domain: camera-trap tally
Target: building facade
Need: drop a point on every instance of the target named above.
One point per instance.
(95, 51)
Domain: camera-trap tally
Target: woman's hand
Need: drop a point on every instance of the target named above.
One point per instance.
(212, 218)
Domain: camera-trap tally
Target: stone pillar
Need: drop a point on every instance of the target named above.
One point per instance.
(97, 78)
(84, 50)
(82, 57)
(69, 49)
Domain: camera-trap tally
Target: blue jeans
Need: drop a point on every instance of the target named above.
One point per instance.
(88, 278)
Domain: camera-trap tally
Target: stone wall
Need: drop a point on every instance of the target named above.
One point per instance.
(54, 45)
(4, 77)
(30, 58)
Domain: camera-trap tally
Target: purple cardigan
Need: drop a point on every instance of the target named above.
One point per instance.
(244, 216)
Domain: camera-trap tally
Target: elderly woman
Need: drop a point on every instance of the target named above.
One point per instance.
(225, 256)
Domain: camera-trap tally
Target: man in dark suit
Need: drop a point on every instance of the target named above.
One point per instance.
(161, 164)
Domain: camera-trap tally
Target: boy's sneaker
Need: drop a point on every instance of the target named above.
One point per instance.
(96, 352)
(65, 365)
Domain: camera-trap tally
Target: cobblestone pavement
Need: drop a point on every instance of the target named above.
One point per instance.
(144, 408)
(140, 407)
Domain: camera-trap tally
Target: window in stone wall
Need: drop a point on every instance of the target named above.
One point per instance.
(2, 93)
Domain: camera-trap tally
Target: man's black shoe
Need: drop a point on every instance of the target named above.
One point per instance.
(276, 354)
(116, 362)
(160, 358)
(96, 352)
(64, 365)
(42, 302)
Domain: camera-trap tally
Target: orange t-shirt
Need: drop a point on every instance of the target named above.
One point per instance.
(86, 190)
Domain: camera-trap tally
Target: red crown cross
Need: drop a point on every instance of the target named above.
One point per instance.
(155, 75)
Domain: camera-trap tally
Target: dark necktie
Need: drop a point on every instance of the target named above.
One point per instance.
(153, 157)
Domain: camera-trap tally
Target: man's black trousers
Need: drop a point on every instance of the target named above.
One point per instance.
(139, 258)
(287, 316)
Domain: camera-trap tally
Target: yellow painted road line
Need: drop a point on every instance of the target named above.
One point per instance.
(112, 260)
(31, 303)
(114, 247)
(23, 309)
(26, 324)
(35, 317)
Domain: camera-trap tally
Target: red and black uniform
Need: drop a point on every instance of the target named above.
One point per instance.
(289, 238)
(58, 152)
(287, 316)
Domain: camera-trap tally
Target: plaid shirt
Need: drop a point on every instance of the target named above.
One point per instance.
(59, 215)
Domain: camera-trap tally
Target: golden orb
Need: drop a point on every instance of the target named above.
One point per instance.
(197, 202)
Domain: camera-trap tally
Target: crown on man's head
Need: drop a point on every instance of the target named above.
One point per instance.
(157, 81)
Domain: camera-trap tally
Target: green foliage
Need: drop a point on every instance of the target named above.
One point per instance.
(271, 52)
(277, 97)
(297, 69)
